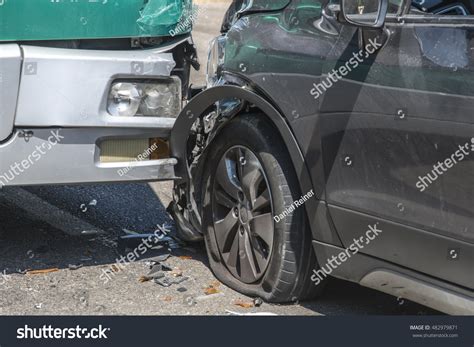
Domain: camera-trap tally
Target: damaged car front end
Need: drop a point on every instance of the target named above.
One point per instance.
(110, 76)
(315, 125)
(206, 114)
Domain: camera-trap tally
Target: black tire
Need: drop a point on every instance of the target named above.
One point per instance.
(286, 277)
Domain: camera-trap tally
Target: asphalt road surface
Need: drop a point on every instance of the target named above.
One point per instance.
(71, 232)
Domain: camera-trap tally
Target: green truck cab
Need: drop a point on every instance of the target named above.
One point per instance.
(97, 82)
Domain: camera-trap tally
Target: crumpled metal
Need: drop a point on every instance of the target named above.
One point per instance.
(162, 13)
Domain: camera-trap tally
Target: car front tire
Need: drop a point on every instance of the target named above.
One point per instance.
(248, 179)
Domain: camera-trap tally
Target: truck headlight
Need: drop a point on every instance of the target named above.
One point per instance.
(124, 100)
(158, 98)
(215, 60)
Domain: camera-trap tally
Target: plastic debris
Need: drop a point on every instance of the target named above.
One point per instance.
(90, 232)
(133, 240)
(169, 281)
(158, 259)
(159, 267)
(130, 232)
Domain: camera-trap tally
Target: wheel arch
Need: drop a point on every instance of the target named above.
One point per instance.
(320, 223)
(204, 100)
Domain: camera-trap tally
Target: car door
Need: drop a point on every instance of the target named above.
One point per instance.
(398, 139)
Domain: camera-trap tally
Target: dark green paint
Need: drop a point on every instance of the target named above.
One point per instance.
(22, 20)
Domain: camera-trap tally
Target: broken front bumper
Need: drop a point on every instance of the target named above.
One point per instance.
(67, 90)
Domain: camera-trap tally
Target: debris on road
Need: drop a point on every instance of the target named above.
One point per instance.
(158, 273)
(42, 272)
(185, 257)
(167, 281)
(162, 237)
(257, 302)
(159, 267)
(75, 266)
(133, 241)
(92, 232)
(244, 304)
(211, 291)
(144, 279)
(213, 288)
(177, 272)
(157, 259)
(130, 232)
(208, 297)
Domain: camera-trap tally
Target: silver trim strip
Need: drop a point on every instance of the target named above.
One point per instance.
(415, 290)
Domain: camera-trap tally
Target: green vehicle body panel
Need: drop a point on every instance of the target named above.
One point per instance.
(28, 20)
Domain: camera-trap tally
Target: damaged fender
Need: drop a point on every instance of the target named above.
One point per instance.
(181, 132)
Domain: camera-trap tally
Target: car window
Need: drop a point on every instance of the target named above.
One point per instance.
(446, 8)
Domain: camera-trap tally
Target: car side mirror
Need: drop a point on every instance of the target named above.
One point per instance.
(365, 13)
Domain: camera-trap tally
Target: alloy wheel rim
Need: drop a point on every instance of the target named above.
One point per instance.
(243, 214)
